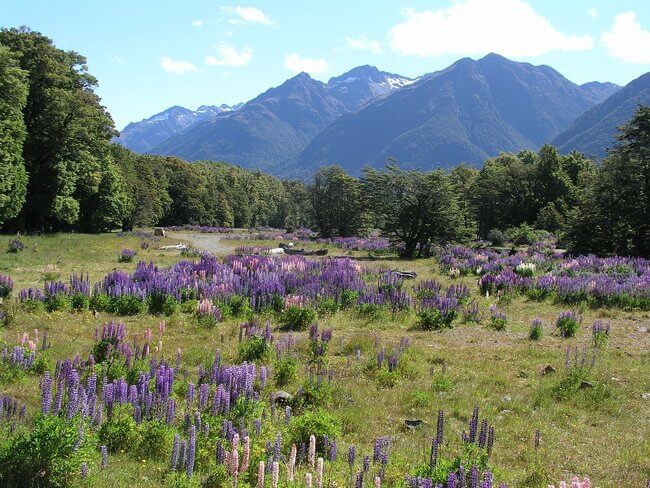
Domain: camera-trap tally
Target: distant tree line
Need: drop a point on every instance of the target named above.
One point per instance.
(59, 171)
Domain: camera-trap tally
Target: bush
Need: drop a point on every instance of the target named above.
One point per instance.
(238, 306)
(497, 237)
(156, 440)
(46, 456)
(297, 318)
(327, 306)
(349, 298)
(100, 302)
(126, 305)
(170, 305)
(126, 256)
(522, 235)
(255, 348)
(6, 286)
(15, 246)
(568, 323)
(79, 302)
(120, 432)
(57, 302)
(369, 310)
(314, 422)
(285, 371)
(433, 319)
(313, 394)
(536, 330)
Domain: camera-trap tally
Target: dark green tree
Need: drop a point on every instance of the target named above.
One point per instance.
(416, 210)
(614, 212)
(337, 203)
(13, 97)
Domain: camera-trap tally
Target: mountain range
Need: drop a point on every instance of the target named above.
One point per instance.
(465, 113)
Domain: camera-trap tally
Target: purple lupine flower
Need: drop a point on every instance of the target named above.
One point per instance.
(474, 477)
(84, 469)
(191, 452)
(440, 427)
(333, 450)
(104, 450)
(287, 414)
(47, 393)
(352, 454)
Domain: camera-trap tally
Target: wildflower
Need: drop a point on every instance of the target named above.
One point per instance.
(312, 450)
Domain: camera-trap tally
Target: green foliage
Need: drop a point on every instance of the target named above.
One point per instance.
(255, 348)
(415, 209)
(297, 318)
(314, 394)
(612, 214)
(337, 203)
(79, 302)
(497, 237)
(13, 98)
(126, 305)
(536, 332)
(318, 423)
(120, 432)
(433, 319)
(284, 370)
(155, 440)
(568, 326)
(46, 456)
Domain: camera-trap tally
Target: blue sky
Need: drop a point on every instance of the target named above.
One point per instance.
(149, 55)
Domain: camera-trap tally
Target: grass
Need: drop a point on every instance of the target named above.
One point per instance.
(601, 432)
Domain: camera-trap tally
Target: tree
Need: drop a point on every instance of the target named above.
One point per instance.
(67, 131)
(415, 209)
(13, 97)
(337, 203)
(614, 212)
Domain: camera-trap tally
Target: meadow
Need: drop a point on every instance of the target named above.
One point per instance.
(385, 357)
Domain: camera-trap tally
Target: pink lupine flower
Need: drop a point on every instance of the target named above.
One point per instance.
(31, 345)
(292, 463)
(235, 442)
(319, 473)
(260, 475)
(246, 454)
(235, 467)
(377, 482)
(312, 450)
(275, 474)
(308, 480)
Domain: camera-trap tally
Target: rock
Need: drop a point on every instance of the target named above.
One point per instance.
(641, 329)
(645, 396)
(281, 397)
(506, 399)
(413, 423)
(159, 232)
(585, 384)
(549, 369)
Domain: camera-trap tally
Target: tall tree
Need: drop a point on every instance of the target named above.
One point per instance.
(416, 210)
(337, 203)
(13, 97)
(67, 131)
(614, 213)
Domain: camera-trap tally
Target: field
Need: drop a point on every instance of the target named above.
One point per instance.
(597, 427)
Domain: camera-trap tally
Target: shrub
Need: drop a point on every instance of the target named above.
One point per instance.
(327, 306)
(6, 286)
(170, 305)
(155, 441)
(536, 330)
(126, 305)
(369, 310)
(314, 422)
(522, 235)
(120, 432)
(79, 302)
(314, 393)
(297, 318)
(100, 302)
(126, 256)
(57, 302)
(15, 246)
(285, 370)
(349, 298)
(498, 319)
(255, 348)
(497, 237)
(238, 306)
(434, 319)
(568, 323)
(46, 456)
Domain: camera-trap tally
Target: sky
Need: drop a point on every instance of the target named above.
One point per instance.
(149, 55)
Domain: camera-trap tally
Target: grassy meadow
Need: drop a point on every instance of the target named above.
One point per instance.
(600, 430)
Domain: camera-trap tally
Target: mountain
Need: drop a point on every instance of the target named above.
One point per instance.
(595, 130)
(148, 133)
(600, 91)
(470, 111)
(363, 83)
(273, 128)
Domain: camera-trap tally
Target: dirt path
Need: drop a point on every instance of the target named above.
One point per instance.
(211, 243)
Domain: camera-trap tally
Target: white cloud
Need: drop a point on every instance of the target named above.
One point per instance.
(176, 67)
(473, 27)
(198, 23)
(362, 43)
(230, 56)
(293, 62)
(626, 39)
(593, 12)
(250, 15)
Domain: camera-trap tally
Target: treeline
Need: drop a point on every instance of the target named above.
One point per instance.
(59, 171)
(602, 209)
